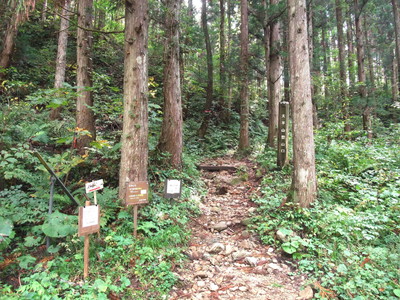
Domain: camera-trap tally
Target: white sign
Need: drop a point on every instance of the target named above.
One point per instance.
(94, 186)
(173, 186)
(90, 216)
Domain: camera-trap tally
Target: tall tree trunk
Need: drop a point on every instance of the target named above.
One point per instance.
(274, 78)
(44, 10)
(266, 42)
(325, 50)
(222, 54)
(361, 69)
(171, 130)
(342, 65)
(61, 60)
(311, 40)
(134, 139)
(244, 142)
(351, 54)
(8, 40)
(190, 7)
(209, 89)
(229, 14)
(286, 75)
(84, 114)
(395, 6)
(395, 83)
(304, 184)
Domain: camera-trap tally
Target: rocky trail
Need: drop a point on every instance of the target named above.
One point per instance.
(226, 260)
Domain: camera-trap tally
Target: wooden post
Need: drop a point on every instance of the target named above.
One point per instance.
(86, 252)
(283, 134)
(95, 197)
(135, 217)
(53, 181)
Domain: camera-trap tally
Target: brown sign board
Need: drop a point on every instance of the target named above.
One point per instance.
(88, 220)
(136, 192)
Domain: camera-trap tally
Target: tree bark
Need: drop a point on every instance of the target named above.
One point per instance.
(171, 130)
(61, 60)
(274, 78)
(84, 114)
(350, 47)
(395, 80)
(134, 149)
(342, 65)
(209, 89)
(8, 40)
(361, 69)
(304, 184)
(244, 142)
(395, 6)
(224, 114)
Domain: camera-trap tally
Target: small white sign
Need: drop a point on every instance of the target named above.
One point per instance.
(173, 186)
(94, 186)
(143, 192)
(90, 216)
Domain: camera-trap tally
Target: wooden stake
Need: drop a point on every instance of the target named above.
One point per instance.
(86, 252)
(95, 197)
(135, 217)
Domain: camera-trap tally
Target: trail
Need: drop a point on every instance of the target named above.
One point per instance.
(226, 261)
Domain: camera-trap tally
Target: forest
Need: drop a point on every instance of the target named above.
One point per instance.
(231, 149)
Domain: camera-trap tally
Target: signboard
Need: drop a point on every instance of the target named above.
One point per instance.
(172, 188)
(283, 134)
(136, 192)
(94, 186)
(88, 220)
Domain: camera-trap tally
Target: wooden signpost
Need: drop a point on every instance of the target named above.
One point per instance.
(93, 187)
(283, 134)
(172, 188)
(136, 194)
(88, 222)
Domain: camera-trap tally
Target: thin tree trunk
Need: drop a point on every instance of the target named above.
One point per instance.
(44, 10)
(274, 78)
(244, 142)
(84, 114)
(171, 130)
(351, 54)
(8, 40)
(325, 49)
(61, 60)
(342, 65)
(361, 69)
(395, 6)
(228, 52)
(209, 89)
(304, 184)
(395, 86)
(134, 139)
(222, 64)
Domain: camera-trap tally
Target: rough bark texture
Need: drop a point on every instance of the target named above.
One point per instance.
(274, 79)
(8, 40)
(134, 149)
(361, 68)
(350, 56)
(395, 86)
(342, 65)
(325, 49)
(171, 130)
(209, 89)
(224, 113)
(304, 184)
(244, 143)
(84, 115)
(395, 6)
(61, 60)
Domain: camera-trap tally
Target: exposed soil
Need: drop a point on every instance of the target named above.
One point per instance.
(226, 260)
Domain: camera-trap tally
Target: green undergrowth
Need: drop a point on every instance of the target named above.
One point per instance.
(121, 266)
(348, 241)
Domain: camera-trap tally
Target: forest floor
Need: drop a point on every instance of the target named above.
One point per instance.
(226, 261)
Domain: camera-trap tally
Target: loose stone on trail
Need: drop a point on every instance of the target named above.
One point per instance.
(227, 260)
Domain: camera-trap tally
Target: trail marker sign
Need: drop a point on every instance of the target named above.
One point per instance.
(89, 220)
(94, 186)
(136, 192)
(172, 188)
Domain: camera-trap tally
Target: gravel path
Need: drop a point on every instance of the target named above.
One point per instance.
(227, 261)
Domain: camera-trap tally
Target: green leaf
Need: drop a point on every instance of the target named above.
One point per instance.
(397, 292)
(288, 248)
(59, 225)
(31, 241)
(100, 285)
(25, 261)
(6, 226)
